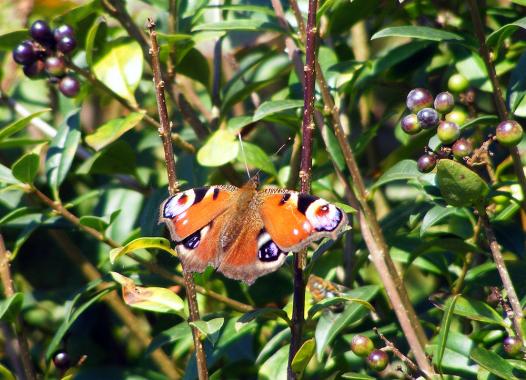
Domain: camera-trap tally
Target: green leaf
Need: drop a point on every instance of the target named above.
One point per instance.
(444, 330)
(220, 148)
(117, 158)
(210, 329)
(357, 376)
(112, 130)
(324, 304)
(418, 32)
(435, 215)
(94, 222)
(271, 107)
(120, 67)
(478, 311)
(10, 307)
(9, 41)
(91, 38)
(156, 299)
(303, 356)
(515, 99)
(257, 158)
(472, 66)
(18, 125)
(496, 38)
(6, 176)
(405, 169)
(26, 167)
(435, 143)
(252, 25)
(62, 151)
(171, 335)
(26, 232)
(6, 374)
(142, 243)
(267, 312)
(459, 185)
(493, 363)
(275, 368)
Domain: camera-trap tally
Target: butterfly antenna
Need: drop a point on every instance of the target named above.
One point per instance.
(243, 153)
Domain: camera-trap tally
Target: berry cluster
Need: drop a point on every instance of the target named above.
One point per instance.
(429, 113)
(363, 347)
(45, 53)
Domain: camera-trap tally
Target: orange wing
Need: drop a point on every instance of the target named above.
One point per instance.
(294, 220)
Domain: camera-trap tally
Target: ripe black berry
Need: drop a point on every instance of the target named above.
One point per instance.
(61, 360)
(444, 102)
(362, 345)
(66, 44)
(461, 148)
(63, 31)
(512, 345)
(448, 131)
(419, 98)
(55, 66)
(410, 124)
(426, 163)
(69, 86)
(35, 69)
(509, 133)
(378, 360)
(428, 118)
(41, 32)
(24, 53)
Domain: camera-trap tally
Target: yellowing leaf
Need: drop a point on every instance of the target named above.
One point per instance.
(112, 130)
(141, 243)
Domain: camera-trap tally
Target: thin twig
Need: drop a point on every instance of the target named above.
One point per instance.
(19, 345)
(497, 93)
(165, 133)
(307, 128)
(503, 272)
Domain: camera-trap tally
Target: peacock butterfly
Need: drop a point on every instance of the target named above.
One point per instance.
(245, 233)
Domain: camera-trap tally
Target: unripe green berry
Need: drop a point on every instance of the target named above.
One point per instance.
(362, 345)
(457, 83)
(458, 116)
(448, 131)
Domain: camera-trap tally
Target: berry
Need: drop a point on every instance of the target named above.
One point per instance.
(55, 66)
(457, 83)
(444, 102)
(362, 345)
(69, 86)
(24, 53)
(428, 118)
(461, 148)
(426, 163)
(512, 345)
(35, 69)
(66, 44)
(448, 131)
(41, 32)
(378, 360)
(63, 31)
(419, 98)
(457, 116)
(410, 124)
(61, 360)
(509, 133)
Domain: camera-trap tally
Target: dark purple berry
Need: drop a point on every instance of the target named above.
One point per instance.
(457, 83)
(41, 32)
(461, 148)
(512, 345)
(63, 31)
(419, 98)
(509, 133)
(362, 345)
(55, 66)
(448, 131)
(66, 44)
(69, 86)
(444, 102)
(410, 124)
(428, 118)
(24, 53)
(426, 163)
(61, 360)
(378, 360)
(34, 70)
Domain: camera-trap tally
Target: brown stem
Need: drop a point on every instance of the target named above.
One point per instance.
(134, 324)
(19, 343)
(497, 93)
(503, 272)
(372, 233)
(165, 132)
(307, 128)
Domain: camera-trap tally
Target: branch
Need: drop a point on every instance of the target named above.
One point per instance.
(165, 133)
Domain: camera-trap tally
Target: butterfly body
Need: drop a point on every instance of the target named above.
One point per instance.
(243, 232)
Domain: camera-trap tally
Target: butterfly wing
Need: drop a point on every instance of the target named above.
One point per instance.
(194, 218)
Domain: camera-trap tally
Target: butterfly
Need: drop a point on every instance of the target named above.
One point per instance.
(245, 233)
